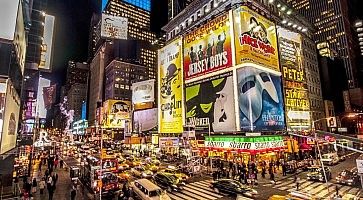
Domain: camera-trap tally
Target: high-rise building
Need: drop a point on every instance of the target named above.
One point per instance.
(176, 6)
(331, 19)
(77, 94)
(77, 73)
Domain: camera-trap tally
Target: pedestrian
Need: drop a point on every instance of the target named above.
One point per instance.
(16, 186)
(28, 186)
(295, 178)
(337, 190)
(263, 172)
(42, 186)
(61, 164)
(51, 192)
(34, 185)
(277, 164)
(284, 169)
(73, 192)
(56, 161)
(297, 184)
(272, 177)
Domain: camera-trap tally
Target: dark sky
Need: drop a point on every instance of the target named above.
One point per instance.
(72, 30)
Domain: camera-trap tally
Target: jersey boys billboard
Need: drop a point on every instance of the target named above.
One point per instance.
(170, 85)
(297, 104)
(208, 48)
(260, 100)
(210, 102)
(255, 39)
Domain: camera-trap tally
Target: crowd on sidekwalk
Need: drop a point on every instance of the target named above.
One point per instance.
(46, 180)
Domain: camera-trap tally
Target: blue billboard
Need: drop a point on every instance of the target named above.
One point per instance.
(84, 110)
(260, 100)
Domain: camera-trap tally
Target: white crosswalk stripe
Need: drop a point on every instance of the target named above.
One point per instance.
(199, 191)
(319, 189)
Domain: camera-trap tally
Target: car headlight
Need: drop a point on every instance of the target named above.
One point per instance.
(350, 180)
(175, 186)
(144, 174)
(248, 194)
(254, 192)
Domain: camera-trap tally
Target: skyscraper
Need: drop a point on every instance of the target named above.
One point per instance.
(332, 22)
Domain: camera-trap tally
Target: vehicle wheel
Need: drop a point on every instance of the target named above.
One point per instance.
(216, 190)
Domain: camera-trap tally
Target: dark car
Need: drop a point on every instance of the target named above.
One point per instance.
(317, 174)
(233, 187)
(168, 181)
(348, 177)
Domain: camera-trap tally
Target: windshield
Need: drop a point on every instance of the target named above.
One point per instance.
(155, 193)
(346, 173)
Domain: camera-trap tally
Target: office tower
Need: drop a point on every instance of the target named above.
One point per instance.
(77, 73)
(176, 6)
(331, 19)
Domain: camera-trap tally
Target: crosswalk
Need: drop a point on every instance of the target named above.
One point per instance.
(318, 189)
(199, 191)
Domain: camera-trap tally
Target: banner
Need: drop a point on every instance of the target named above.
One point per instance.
(46, 55)
(297, 106)
(208, 48)
(170, 85)
(143, 92)
(168, 142)
(260, 100)
(255, 39)
(114, 27)
(49, 95)
(210, 102)
(145, 120)
(245, 143)
(116, 113)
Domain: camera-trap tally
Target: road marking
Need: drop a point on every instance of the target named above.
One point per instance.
(310, 187)
(191, 195)
(172, 196)
(200, 193)
(180, 195)
(204, 190)
(318, 189)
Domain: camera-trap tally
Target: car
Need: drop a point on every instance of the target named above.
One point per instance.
(168, 181)
(317, 174)
(122, 165)
(132, 162)
(177, 173)
(140, 171)
(330, 158)
(124, 176)
(152, 167)
(348, 177)
(233, 187)
(146, 190)
(152, 160)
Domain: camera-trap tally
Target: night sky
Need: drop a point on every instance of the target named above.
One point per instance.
(72, 30)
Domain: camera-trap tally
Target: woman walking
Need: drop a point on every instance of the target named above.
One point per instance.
(34, 186)
(42, 186)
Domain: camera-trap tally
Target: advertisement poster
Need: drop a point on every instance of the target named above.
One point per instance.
(143, 92)
(117, 113)
(255, 39)
(47, 45)
(210, 102)
(260, 100)
(9, 118)
(9, 13)
(294, 81)
(170, 85)
(208, 48)
(114, 27)
(145, 120)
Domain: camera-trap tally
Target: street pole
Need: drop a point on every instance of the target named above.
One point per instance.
(101, 162)
(210, 159)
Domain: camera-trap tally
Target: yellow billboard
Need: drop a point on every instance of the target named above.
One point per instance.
(170, 88)
(255, 39)
(117, 113)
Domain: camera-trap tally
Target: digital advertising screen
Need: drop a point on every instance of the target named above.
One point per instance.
(255, 39)
(260, 100)
(43, 83)
(143, 91)
(114, 27)
(208, 48)
(210, 102)
(47, 46)
(170, 85)
(117, 113)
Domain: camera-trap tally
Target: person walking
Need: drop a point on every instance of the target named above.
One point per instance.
(284, 169)
(56, 161)
(61, 162)
(34, 186)
(42, 186)
(73, 192)
(263, 172)
(297, 184)
(16, 186)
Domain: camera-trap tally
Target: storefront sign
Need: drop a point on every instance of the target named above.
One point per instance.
(260, 100)
(245, 145)
(297, 104)
(360, 165)
(168, 142)
(208, 48)
(170, 85)
(210, 102)
(255, 39)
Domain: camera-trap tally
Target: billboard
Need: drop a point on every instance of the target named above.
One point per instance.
(84, 110)
(170, 85)
(143, 91)
(255, 39)
(297, 106)
(145, 120)
(208, 48)
(47, 45)
(260, 100)
(8, 16)
(19, 39)
(43, 83)
(210, 102)
(117, 113)
(10, 106)
(114, 27)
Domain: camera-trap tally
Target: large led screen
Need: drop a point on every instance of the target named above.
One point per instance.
(210, 102)
(47, 45)
(208, 48)
(260, 100)
(170, 88)
(43, 83)
(8, 16)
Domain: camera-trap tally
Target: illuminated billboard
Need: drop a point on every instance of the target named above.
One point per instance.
(8, 16)
(210, 102)
(47, 45)
(255, 39)
(117, 113)
(170, 88)
(143, 91)
(260, 100)
(114, 27)
(145, 120)
(10, 109)
(19, 39)
(297, 106)
(208, 48)
(43, 83)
